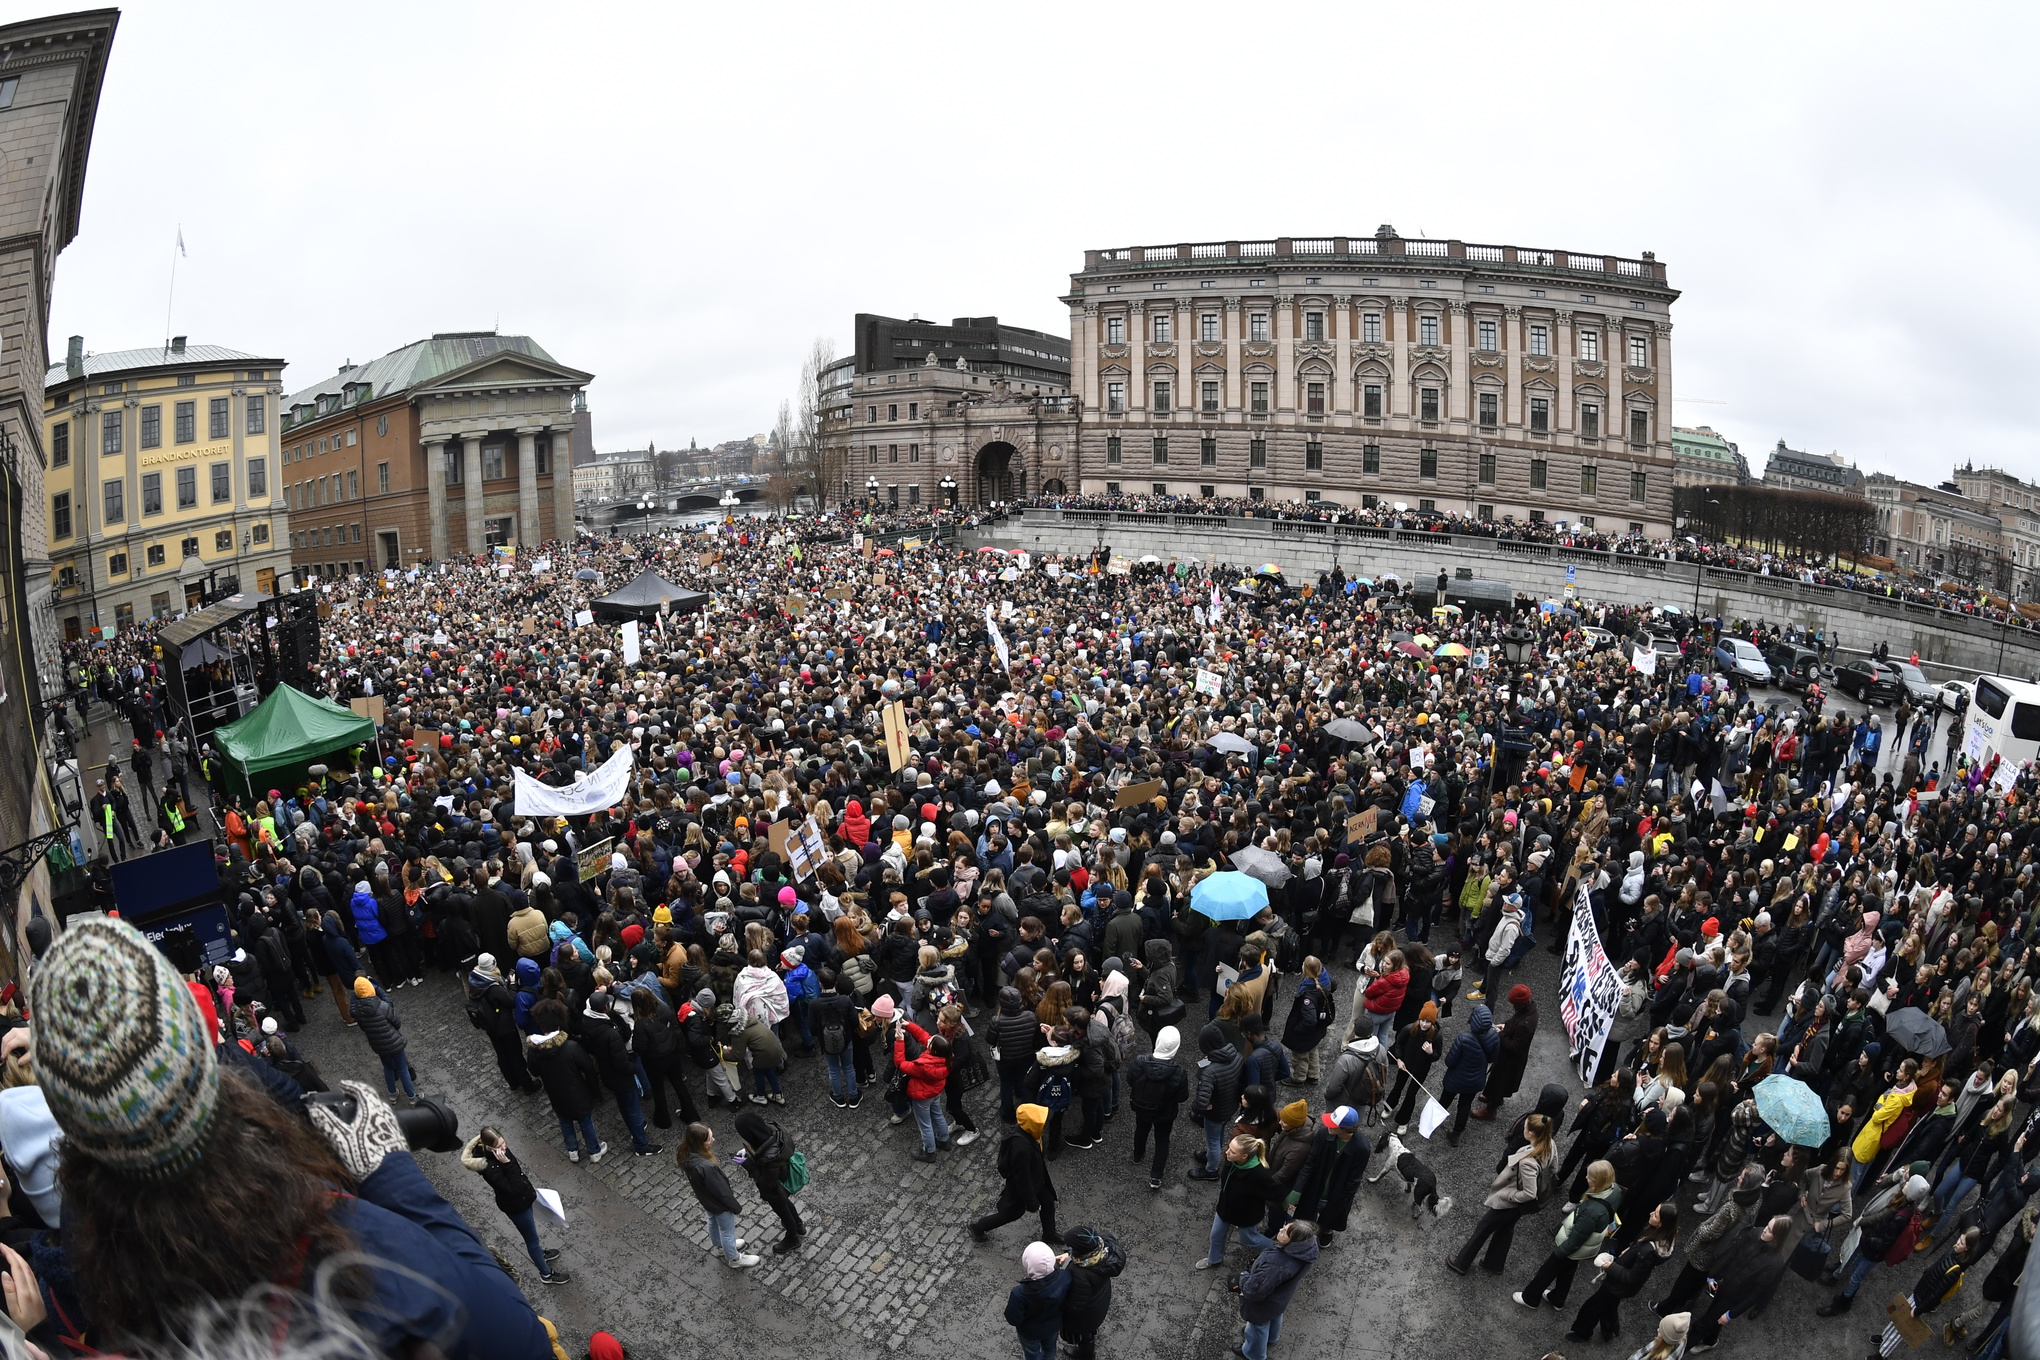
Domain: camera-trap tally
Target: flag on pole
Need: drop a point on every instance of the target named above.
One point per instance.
(1214, 605)
(180, 240)
(998, 639)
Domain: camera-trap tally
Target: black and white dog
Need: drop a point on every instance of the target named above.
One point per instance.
(1418, 1179)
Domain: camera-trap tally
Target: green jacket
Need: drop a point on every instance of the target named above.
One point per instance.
(1580, 1233)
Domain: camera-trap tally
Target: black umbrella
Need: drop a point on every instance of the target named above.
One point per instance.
(587, 574)
(1912, 1030)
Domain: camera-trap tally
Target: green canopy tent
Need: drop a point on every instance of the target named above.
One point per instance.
(287, 732)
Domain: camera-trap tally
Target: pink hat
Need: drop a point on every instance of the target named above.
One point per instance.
(787, 897)
(883, 1008)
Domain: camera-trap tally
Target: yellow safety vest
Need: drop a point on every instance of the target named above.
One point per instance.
(176, 818)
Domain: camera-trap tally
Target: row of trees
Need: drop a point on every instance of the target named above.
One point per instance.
(1773, 519)
(803, 463)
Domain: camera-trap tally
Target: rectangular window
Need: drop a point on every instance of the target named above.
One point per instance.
(452, 466)
(1590, 420)
(382, 478)
(1537, 474)
(1115, 330)
(871, 414)
(152, 493)
(1112, 450)
(914, 494)
(892, 410)
(152, 427)
(353, 484)
(1639, 352)
(260, 533)
(1161, 450)
(1369, 502)
(1207, 491)
(1590, 480)
(1257, 393)
(1370, 458)
(258, 415)
(60, 444)
(1257, 326)
(1207, 326)
(222, 482)
(1370, 401)
(1314, 325)
(1487, 469)
(1540, 340)
(1427, 463)
(1313, 456)
(1586, 521)
(913, 453)
(1488, 336)
(1257, 493)
(1115, 398)
(216, 418)
(1639, 427)
(1162, 396)
(116, 565)
(1427, 330)
(1112, 488)
(892, 496)
(187, 421)
(258, 479)
(189, 547)
(1490, 409)
(892, 453)
(1314, 399)
(1590, 344)
(1207, 451)
(223, 541)
(1370, 328)
(1537, 517)
(1208, 399)
(913, 407)
(542, 451)
(1160, 488)
(1427, 403)
(114, 500)
(1257, 453)
(1311, 497)
(1164, 327)
(109, 433)
(1428, 506)
(60, 515)
(492, 462)
(1540, 415)
(1639, 486)
(1484, 512)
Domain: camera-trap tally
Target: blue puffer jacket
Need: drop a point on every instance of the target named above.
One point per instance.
(527, 992)
(366, 923)
(1466, 1062)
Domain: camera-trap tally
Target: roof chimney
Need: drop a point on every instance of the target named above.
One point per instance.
(74, 358)
(177, 344)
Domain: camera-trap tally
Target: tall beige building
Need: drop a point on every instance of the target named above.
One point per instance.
(1497, 381)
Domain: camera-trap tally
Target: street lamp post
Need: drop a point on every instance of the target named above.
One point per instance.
(647, 506)
(949, 490)
(871, 492)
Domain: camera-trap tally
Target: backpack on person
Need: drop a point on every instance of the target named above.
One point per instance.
(796, 1178)
(1056, 1091)
(1547, 1182)
(858, 969)
(1288, 944)
(479, 1012)
(834, 1040)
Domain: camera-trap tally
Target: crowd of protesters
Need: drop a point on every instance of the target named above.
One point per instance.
(1001, 925)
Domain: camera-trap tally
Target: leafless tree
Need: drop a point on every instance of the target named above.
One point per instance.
(812, 462)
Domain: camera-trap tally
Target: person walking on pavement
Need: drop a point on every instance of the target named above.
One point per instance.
(1024, 1171)
(489, 1154)
(1156, 1087)
(107, 818)
(1245, 1188)
(1466, 1068)
(696, 1156)
(143, 763)
(570, 1077)
(768, 1159)
(1331, 1173)
(123, 808)
(1745, 1285)
(1626, 1275)
(1221, 1074)
(1270, 1283)
(492, 1010)
(1586, 1228)
(602, 1037)
(384, 1032)
(1034, 1307)
(1708, 1245)
(1095, 1260)
(1512, 1194)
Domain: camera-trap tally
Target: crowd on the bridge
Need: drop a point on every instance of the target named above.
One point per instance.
(1000, 937)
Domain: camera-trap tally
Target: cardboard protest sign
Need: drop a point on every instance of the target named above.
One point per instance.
(896, 735)
(370, 707)
(1134, 794)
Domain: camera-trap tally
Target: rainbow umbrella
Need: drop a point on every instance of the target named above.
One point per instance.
(1454, 649)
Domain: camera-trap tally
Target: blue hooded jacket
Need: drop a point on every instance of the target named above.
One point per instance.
(366, 923)
(339, 952)
(1466, 1062)
(527, 992)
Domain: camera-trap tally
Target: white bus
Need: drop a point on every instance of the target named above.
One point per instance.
(2003, 721)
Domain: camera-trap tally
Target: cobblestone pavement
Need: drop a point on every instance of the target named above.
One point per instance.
(889, 1269)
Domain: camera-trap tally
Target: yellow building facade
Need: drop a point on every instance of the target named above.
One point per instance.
(162, 486)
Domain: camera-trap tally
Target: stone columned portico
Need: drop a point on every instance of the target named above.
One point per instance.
(490, 431)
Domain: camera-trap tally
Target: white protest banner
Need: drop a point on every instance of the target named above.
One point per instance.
(1210, 682)
(998, 639)
(540, 565)
(602, 789)
(554, 1204)
(584, 618)
(630, 643)
(1645, 661)
(1589, 989)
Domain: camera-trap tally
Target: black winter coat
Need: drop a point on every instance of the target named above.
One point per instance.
(569, 1075)
(1090, 1296)
(711, 1186)
(379, 1024)
(1157, 1086)
(1025, 1172)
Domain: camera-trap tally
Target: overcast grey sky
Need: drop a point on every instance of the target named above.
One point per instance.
(679, 198)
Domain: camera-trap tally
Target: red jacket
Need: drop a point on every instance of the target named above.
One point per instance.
(1385, 993)
(927, 1074)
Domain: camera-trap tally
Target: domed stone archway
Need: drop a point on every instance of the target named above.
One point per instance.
(1001, 476)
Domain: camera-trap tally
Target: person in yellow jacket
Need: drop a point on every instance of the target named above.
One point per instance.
(1891, 1106)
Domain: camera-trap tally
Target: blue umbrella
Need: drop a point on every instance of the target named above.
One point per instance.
(1792, 1110)
(1229, 896)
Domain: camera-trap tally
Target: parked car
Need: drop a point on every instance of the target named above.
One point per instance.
(1793, 667)
(1740, 658)
(1956, 694)
(1664, 644)
(1873, 682)
(1918, 688)
(1597, 638)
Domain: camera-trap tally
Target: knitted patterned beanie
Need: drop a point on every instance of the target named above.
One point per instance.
(121, 1051)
